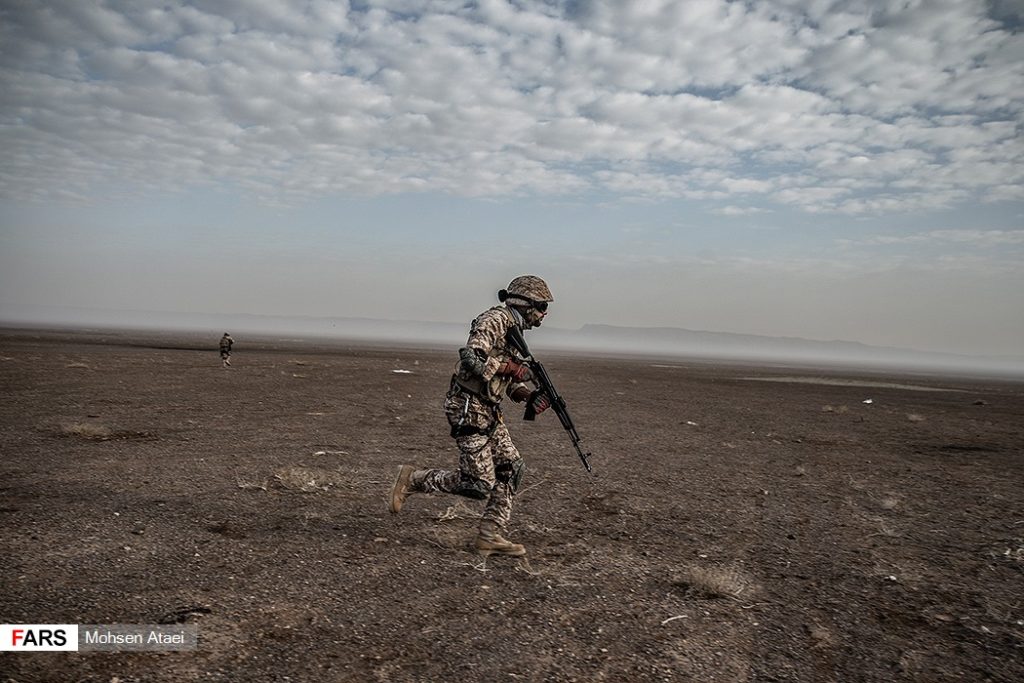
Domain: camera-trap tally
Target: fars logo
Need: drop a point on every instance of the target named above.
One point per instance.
(38, 637)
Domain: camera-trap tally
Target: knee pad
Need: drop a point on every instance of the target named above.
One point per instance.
(511, 473)
(471, 487)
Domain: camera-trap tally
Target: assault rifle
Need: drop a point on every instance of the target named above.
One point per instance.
(544, 386)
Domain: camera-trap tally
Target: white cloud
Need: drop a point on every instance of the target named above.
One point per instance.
(739, 210)
(987, 239)
(852, 107)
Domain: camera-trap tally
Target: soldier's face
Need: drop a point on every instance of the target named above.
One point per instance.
(535, 317)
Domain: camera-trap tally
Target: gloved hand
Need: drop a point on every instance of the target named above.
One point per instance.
(521, 394)
(540, 402)
(516, 371)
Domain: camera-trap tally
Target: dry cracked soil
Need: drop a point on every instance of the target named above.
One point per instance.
(743, 522)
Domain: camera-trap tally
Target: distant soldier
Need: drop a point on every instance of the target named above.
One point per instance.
(490, 467)
(225, 349)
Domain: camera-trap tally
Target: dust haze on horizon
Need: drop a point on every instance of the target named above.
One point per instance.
(789, 168)
(673, 346)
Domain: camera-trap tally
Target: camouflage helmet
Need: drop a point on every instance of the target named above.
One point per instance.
(528, 287)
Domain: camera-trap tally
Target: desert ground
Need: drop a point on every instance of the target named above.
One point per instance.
(743, 522)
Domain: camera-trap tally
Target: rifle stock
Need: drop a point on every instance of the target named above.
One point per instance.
(544, 385)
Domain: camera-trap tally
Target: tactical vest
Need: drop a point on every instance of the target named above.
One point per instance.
(492, 391)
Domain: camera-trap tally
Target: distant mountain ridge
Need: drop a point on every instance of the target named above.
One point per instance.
(670, 342)
(731, 345)
(679, 334)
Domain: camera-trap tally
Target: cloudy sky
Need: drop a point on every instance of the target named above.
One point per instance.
(829, 170)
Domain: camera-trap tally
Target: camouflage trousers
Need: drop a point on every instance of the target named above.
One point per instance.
(490, 468)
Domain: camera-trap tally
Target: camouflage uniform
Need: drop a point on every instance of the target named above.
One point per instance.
(490, 467)
(489, 369)
(225, 348)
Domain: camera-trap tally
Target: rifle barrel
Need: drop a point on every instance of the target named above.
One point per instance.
(545, 384)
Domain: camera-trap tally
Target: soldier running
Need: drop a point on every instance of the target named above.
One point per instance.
(490, 467)
(225, 349)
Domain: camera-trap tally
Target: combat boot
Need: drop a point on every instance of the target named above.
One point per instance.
(400, 491)
(490, 542)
